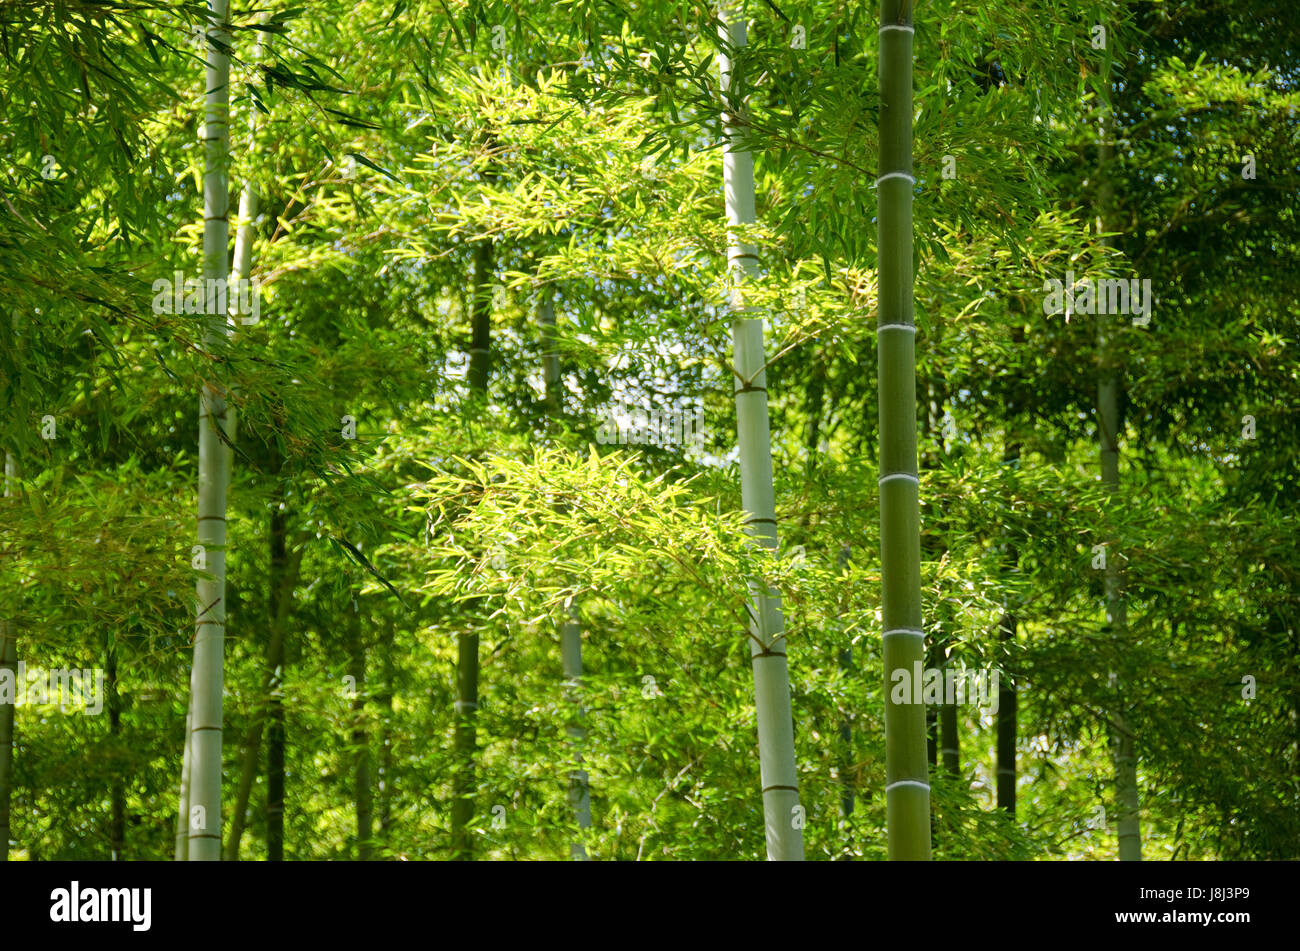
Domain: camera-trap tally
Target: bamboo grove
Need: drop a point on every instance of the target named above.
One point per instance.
(674, 431)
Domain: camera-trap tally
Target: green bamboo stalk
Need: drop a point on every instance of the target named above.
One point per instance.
(385, 698)
(1006, 728)
(281, 580)
(9, 662)
(579, 790)
(244, 236)
(783, 815)
(207, 677)
(117, 784)
(550, 358)
(846, 724)
(360, 739)
(248, 203)
(1008, 624)
(1108, 426)
(480, 353)
(275, 732)
(465, 743)
(571, 627)
(907, 780)
(252, 740)
(949, 736)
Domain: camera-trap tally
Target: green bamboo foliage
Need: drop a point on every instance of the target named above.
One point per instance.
(783, 815)
(1108, 426)
(907, 780)
(206, 681)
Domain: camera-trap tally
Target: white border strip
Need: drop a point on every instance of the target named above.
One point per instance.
(911, 179)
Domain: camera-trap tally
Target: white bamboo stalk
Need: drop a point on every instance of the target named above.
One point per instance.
(207, 676)
(783, 816)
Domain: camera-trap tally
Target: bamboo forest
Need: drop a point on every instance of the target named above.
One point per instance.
(649, 430)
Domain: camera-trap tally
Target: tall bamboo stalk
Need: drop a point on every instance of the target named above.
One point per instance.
(571, 627)
(242, 269)
(275, 769)
(1008, 624)
(1108, 427)
(907, 780)
(360, 740)
(465, 742)
(207, 677)
(280, 583)
(579, 791)
(9, 662)
(846, 724)
(783, 815)
(385, 698)
(550, 358)
(117, 785)
(949, 736)
(1006, 727)
(244, 236)
(480, 352)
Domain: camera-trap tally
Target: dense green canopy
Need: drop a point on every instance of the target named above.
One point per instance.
(490, 391)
